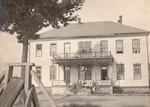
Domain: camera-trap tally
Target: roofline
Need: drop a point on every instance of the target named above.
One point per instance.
(95, 36)
(89, 36)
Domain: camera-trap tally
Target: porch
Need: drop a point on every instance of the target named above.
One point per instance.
(88, 71)
(86, 87)
(83, 58)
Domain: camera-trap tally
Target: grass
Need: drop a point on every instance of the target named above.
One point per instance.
(81, 105)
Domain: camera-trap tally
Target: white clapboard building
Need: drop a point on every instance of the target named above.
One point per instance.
(110, 56)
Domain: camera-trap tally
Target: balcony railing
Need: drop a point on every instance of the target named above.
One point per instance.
(87, 55)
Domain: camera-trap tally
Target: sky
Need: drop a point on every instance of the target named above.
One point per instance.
(135, 13)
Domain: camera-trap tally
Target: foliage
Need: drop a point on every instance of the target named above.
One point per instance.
(27, 17)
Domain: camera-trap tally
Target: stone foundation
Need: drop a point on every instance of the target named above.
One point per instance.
(100, 90)
(104, 90)
(131, 90)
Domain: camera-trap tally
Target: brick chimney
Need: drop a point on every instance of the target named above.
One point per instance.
(120, 19)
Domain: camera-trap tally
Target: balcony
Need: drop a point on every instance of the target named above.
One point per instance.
(83, 58)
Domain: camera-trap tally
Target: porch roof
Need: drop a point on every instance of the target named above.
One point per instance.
(85, 61)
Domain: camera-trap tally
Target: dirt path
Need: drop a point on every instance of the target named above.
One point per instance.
(102, 101)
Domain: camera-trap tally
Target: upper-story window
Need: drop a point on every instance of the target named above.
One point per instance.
(39, 50)
(136, 45)
(120, 71)
(137, 71)
(85, 47)
(104, 47)
(53, 49)
(39, 72)
(67, 50)
(119, 46)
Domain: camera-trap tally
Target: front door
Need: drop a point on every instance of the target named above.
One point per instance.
(104, 73)
(85, 72)
(67, 74)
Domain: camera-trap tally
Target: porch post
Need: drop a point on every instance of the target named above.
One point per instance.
(110, 73)
(111, 78)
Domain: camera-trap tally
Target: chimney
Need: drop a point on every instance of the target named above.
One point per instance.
(120, 19)
(79, 20)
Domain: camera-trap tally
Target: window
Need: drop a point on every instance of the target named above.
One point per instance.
(104, 47)
(67, 50)
(39, 72)
(39, 50)
(53, 72)
(137, 71)
(136, 45)
(85, 47)
(53, 49)
(120, 71)
(119, 46)
(85, 72)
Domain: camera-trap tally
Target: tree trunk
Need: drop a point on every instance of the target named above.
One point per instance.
(24, 56)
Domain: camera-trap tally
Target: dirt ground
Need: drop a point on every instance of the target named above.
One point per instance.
(100, 100)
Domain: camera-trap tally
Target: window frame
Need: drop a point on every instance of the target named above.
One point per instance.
(83, 47)
(53, 74)
(39, 50)
(139, 75)
(120, 73)
(136, 47)
(52, 44)
(67, 55)
(39, 74)
(122, 47)
(102, 48)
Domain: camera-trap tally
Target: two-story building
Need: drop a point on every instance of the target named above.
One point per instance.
(112, 55)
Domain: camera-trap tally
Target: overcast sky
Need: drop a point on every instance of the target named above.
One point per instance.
(135, 13)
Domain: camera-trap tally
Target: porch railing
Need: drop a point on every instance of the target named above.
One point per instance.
(82, 55)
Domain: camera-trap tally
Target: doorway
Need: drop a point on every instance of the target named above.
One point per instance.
(104, 73)
(67, 74)
(85, 72)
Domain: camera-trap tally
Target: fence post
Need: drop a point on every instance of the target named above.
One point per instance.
(8, 75)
